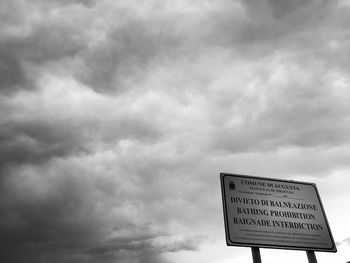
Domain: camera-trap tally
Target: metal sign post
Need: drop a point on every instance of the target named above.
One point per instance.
(257, 258)
(256, 255)
(311, 256)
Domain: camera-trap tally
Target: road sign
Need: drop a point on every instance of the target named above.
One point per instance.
(274, 213)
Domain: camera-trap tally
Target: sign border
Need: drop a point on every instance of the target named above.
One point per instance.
(229, 242)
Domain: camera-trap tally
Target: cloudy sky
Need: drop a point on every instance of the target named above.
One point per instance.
(116, 118)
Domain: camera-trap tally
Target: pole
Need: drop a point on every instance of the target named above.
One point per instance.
(256, 255)
(311, 256)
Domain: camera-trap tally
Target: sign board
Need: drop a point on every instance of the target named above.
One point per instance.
(273, 213)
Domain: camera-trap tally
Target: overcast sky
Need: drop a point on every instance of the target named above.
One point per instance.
(116, 118)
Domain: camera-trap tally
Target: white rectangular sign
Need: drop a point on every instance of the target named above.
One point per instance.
(273, 213)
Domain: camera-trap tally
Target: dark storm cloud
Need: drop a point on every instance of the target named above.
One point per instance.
(263, 27)
(156, 244)
(303, 116)
(32, 142)
(284, 7)
(37, 139)
(127, 51)
(35, 224)
(49, 42)
(293, 100)
(26, 45)
(114, 116)
(69, 211)
(12, 73)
